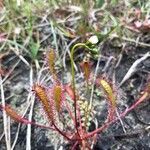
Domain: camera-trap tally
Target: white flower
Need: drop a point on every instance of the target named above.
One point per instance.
(17, 30)
(93, 39)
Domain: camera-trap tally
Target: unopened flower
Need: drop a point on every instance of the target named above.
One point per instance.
(17, 30)
(93, 39)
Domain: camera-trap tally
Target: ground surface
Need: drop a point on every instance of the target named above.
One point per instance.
(23, 55)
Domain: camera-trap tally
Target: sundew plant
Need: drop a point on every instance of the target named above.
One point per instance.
(59, 99)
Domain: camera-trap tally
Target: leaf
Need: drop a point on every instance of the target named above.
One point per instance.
(109, 92)
(46, 102)
(57, 95)
(111, 98)
(14, 115)
(69, 91)
(85, 65)
(51, 61)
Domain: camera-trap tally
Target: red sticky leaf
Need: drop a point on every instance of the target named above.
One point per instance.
(69, 91)
(42, 94)
(51, 61)
(86, 68)
(58, 96)
(14, 115)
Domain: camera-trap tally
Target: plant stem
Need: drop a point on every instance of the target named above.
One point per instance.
(73, 78)
(61, 132)
(123, 114)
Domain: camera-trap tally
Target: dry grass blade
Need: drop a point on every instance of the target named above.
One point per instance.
(134, 41)
(28, 137)
(5, 119)
(133, 68)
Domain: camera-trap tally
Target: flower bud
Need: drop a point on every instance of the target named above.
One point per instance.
(93, 39)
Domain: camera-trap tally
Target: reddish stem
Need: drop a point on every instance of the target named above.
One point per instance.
(74, 146)
(69, 111)
(75, 111)
(61, 132)
(123, 114)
